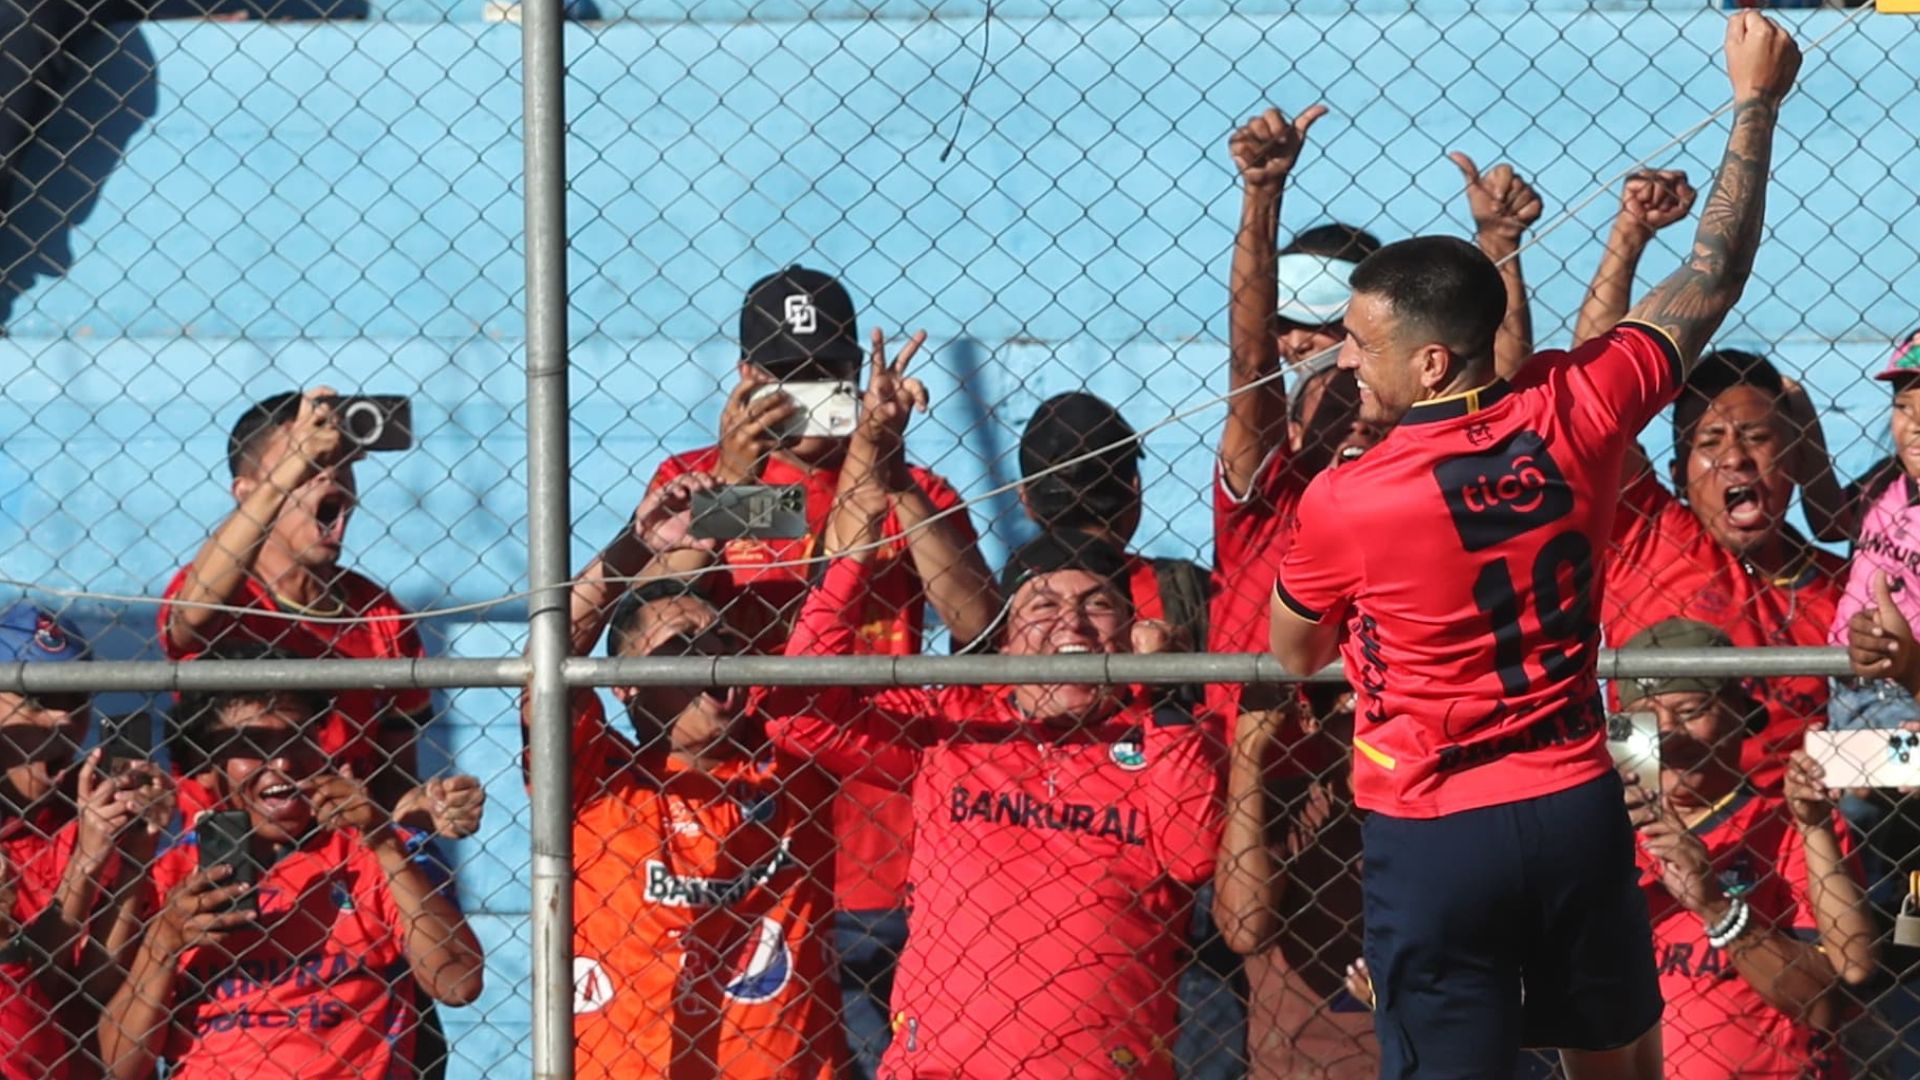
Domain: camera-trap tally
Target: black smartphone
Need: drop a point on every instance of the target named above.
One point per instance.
(223, 837)
(750, 512)
(376, 421)
(125, 740)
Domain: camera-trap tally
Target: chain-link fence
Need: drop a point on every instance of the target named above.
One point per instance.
(723, 862)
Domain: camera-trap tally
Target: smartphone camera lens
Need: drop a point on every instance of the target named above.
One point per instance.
(364, 422)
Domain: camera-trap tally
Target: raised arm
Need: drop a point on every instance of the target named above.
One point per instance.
(1503, 205)
(1265, 150)
(1248, 879)
(1847, 931)
(660, 524)
(945, 553)
(311, 444)
(1692, 302)
(1651, 201)
(441, 950)
(849, 733)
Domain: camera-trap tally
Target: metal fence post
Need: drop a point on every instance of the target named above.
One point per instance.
(548, 517)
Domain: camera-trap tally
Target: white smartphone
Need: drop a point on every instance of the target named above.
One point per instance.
(1867, 757)
(1633, 738)
(821, 409)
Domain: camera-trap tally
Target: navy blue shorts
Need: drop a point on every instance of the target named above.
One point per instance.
(1521, 925)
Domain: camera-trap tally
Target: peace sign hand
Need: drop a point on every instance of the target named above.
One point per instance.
(890, 400)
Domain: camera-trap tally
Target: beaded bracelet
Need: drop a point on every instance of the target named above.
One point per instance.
(1731, 926)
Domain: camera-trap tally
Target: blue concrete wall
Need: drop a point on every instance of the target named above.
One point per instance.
(263, 206)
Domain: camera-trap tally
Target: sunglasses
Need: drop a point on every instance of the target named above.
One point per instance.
(262, 744)
(714, 641)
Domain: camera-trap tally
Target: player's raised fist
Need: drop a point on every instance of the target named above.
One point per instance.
(1762, 59)
(1266, 148)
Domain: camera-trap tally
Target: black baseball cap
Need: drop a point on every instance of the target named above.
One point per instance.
(800, 322)
(1063, 549)
(1068, 425)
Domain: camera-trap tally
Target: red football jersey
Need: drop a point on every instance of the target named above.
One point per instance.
(1463, 554)
(1052, 871)
(1716, 1025)
(1250, 535)
(874, 822)
(37, 1042)
(349, 734)
(1664, 564)
(319, 989)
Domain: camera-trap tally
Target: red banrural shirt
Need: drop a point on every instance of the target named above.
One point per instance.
(1051, 875)
(350, 733)
(319, 989)
(1665, 564)
(874, 822)
(1716, 1025)
(1463, 555)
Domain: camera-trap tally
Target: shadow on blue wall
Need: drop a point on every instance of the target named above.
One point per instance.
(105, 88)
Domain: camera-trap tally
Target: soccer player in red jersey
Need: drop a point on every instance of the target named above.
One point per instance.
(1461, 555)
(1270, 448)
(1758, 910)
(278, 554)
(317, 979)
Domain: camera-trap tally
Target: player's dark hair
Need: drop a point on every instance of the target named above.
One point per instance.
(1444, 287)
(624, 623)
(1715, 373)
(1334, 241)
(254, 425)
(191, 736)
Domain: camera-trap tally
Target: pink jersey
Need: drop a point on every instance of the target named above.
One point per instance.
(1052, 870)
(1889, 543)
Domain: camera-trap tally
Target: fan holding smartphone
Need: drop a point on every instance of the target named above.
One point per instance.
(285, 912)
(1729, 872)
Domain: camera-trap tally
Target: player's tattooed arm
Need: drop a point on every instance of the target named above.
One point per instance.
(1693, 301)
(1762, 61)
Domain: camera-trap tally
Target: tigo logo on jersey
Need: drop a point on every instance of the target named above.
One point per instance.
(592, 987)
(1508, 490)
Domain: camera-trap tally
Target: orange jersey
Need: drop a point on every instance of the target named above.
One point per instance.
(702, 905)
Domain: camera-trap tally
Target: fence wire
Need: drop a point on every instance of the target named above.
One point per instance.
(664, 374)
